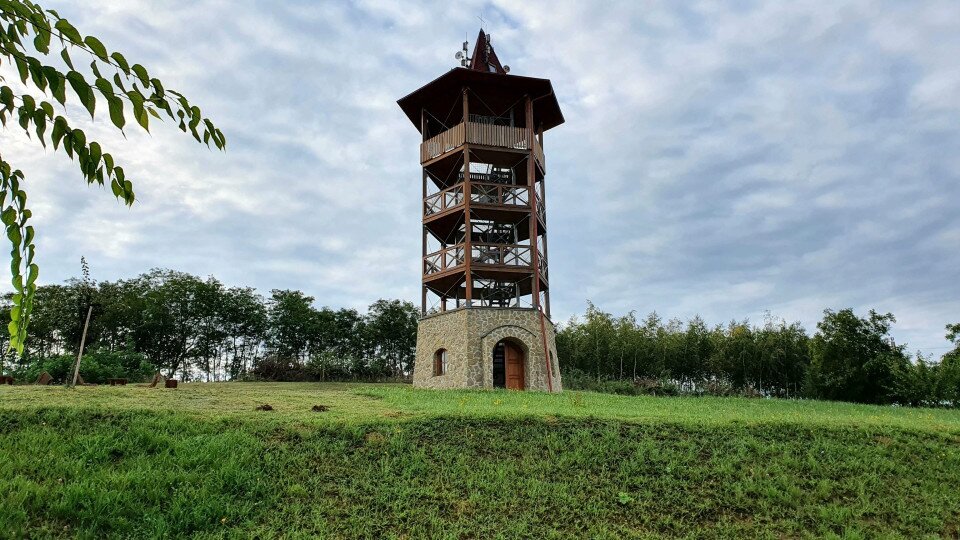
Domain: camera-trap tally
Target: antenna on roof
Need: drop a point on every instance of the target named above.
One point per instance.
(463, 54)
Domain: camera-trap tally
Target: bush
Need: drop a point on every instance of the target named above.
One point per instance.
(275, 368)
(96, 367)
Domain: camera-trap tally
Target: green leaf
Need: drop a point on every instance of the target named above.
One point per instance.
(108, 163)
(78, 138)
(14, 235)
(42, 42)
(32, 273)
(97, 47)
(142, 117)
(157, 87)
(116, 112)
(57, 86)
(121, 62)
(117, 188)
(95, 152)
(83, 91)
(66, 58)
(141, 73)
(119, 82)
(6, 97)
(105, 87)
(22, 69)
(28, 238)
(60, 128)
(40, 123)
(68, 31)
(8, 216)
(36, 73)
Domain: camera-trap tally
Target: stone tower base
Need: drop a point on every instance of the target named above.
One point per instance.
(469, 335)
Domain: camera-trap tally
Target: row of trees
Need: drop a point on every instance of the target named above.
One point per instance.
(849, 358)
(199, 329)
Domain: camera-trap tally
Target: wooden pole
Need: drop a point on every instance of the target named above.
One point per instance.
(467, 195)
(83, 341)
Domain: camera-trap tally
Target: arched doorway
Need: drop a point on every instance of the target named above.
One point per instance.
(508, 366)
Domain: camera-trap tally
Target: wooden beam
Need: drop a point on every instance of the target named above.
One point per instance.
(467, 240)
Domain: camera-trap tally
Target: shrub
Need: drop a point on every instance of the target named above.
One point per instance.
(96, 367)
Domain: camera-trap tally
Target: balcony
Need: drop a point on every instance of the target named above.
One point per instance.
(480, 193)
(514, 138)
(503, 256)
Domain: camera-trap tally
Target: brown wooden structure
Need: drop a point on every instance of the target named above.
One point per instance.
(484, 238)
(484, 212)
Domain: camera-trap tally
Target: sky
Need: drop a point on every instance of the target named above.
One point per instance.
(725, 159)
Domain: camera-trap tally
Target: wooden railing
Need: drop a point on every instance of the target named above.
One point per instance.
(452, 257)
(477, 133)
(450, 139)
(481, 193)
(492, 135)
(446, 259)
(500, 254)
(443, 200)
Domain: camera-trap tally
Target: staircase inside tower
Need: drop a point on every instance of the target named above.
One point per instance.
(492, 174)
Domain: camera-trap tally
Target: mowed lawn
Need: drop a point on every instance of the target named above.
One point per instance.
(387, 461)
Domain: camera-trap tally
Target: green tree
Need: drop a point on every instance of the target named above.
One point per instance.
(292, 322)
(30, 39)
(949, 370)
(392, 330)
(854, 358)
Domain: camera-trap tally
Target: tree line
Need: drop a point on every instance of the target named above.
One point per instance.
(848, 358)
(196, 328)
(192, 328)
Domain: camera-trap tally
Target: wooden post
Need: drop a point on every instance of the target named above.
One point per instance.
(467, 195)
(532, 186)
(423, 210)
(535, 252)
(546, 296)
(83, 341)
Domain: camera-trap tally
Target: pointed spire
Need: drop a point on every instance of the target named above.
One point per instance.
(484, 57)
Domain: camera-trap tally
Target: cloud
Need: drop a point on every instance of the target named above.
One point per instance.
(718, 158)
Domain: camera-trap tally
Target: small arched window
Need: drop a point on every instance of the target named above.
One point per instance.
(440, 362)
(553, 365)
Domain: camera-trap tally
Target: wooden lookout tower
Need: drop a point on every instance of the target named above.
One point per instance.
(486, 290)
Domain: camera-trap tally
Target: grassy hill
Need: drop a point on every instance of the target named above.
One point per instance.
(392, 462)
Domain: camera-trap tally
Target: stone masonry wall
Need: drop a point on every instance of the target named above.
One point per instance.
(469, 336)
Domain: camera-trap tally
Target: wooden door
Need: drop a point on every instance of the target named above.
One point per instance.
(514, 361)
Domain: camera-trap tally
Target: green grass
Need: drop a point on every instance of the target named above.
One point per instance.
(392, 462)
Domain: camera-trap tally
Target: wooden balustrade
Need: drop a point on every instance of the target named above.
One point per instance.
(438, 145)
(477, 133)
(494, 135)
(481, 193)
(452, 257)
(447, 258)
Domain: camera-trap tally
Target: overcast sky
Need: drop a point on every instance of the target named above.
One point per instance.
(720, 158)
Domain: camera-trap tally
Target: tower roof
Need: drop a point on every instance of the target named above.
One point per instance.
(484, 57)
(484, 73)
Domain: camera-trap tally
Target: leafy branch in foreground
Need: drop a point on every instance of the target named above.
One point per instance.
(28, 35)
